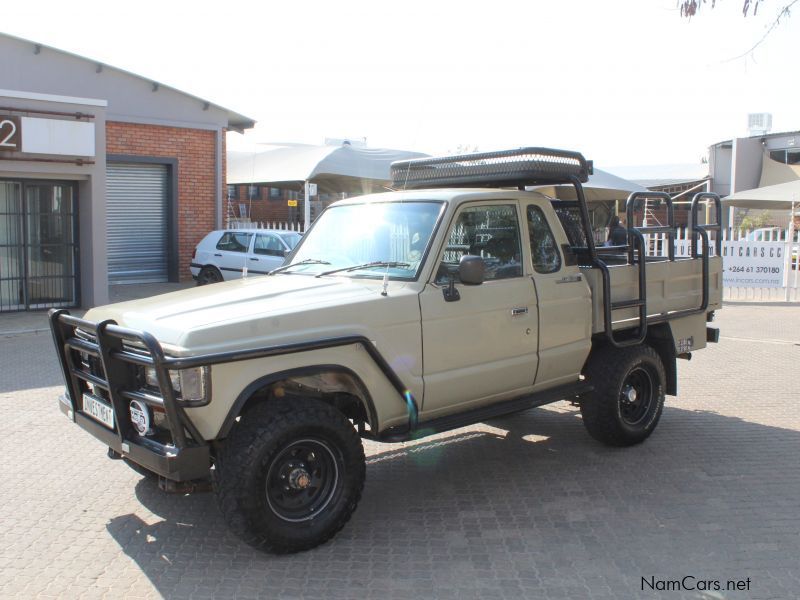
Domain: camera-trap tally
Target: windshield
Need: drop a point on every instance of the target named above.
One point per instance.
(357, 234)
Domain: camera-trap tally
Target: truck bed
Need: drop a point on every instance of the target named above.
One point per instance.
(671, 286)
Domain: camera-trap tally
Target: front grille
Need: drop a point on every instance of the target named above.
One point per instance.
(81, 350)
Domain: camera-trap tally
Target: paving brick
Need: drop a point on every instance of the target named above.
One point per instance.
(524, 506)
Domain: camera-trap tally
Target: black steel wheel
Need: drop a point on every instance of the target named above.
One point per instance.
(628, 395)
(637, 395)
(302, 479)
(209, 274)
(290, 475)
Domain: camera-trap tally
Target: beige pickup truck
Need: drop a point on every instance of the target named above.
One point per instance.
(457, 298)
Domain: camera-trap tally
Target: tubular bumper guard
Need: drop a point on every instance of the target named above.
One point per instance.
(188, 456)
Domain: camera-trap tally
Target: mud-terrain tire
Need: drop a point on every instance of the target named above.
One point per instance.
(290, 475)
(209, 274)
(628, 395)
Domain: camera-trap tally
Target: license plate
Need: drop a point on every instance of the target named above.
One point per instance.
(98, 410)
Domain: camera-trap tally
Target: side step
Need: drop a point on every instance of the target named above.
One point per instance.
(484, 413)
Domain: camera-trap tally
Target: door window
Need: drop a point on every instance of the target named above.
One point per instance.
(491, 232)
(268, 244)
(234, 241)
(544, 250)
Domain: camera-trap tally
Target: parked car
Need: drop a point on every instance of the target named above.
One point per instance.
(234, 253)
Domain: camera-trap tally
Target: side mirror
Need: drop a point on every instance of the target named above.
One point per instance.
(471, 270)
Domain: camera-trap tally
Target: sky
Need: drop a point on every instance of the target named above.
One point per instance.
(626, 82)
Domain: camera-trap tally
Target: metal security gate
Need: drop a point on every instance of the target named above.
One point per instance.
(137, 218)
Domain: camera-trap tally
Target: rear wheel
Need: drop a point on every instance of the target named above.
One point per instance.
(628, 395)
(209, 274)
(290, 475)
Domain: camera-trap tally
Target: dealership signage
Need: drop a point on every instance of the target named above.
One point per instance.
(747, 263)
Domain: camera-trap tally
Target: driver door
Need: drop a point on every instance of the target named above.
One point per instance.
(482, 347)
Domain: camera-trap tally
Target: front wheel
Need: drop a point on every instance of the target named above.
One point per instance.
(290, 475)
(628, 395)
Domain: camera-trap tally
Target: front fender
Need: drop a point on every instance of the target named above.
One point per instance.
(234, 382)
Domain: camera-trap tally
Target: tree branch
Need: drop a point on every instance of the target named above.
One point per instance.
(783, 12)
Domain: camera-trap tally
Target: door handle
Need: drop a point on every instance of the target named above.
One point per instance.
(217, 254)
(255, 259)
(569, 279)
(520, 310)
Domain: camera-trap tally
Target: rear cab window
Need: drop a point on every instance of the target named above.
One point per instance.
(544, 250)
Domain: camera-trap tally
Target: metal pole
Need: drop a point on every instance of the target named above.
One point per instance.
(307, 206)
(787, 259)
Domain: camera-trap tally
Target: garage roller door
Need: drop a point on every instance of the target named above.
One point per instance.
(137, 223)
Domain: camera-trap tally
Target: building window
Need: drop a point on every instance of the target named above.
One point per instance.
(231, 192)
(778, 155)
(253, 192)
(789, 157)
(243, 211)
(274, 193)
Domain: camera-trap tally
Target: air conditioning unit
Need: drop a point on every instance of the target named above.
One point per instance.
(759, 123)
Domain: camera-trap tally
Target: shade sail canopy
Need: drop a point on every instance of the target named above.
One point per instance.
(773, 197)
(602, 186)
(333, 168)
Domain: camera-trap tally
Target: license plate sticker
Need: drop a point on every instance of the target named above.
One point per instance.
(98, 410)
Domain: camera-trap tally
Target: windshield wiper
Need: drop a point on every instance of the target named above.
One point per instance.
(377, 263)
(307, 261)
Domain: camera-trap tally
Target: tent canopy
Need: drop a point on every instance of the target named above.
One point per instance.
(602, 186)
(333, 168)
(771, 197)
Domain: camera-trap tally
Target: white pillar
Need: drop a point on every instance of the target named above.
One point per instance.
(307, 206)
(787, 259)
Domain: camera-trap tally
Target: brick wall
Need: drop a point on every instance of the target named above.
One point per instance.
(194, 150)
(266, 208)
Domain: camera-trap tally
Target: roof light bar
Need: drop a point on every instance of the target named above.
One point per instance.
(505, 168)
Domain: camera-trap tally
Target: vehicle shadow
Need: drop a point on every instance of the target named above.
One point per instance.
(527, 505)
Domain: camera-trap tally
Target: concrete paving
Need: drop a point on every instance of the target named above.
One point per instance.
(526, 506)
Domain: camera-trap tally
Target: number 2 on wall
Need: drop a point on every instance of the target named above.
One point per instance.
(12, 126)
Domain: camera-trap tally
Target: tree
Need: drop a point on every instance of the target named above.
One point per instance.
(690, 7)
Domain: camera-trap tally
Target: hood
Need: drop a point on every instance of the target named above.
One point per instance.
(235, 314)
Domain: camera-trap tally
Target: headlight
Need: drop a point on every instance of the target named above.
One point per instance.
(191, 385)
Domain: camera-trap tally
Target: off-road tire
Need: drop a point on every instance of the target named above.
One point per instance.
(608, 414)
(209, 274)
(263, 440)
